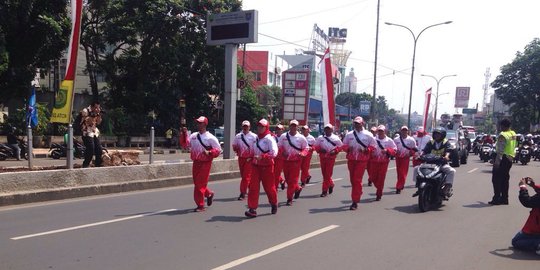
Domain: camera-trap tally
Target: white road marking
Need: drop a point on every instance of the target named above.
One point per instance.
(313, 184)
(92, 224)
(472, 170)
(393, 168)
(275, 248)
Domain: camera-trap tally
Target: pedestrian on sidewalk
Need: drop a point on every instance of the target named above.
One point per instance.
(528, 238)
(264, 150)
(293, 147)
(380, 157)
(242, 145)
(306, 161)
(204, 148)
(328, 146)
(358, 143)
(90, 119)
(406, 148)
(278, 162)
(505, 149)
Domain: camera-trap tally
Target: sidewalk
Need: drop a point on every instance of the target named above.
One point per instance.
(45, 152)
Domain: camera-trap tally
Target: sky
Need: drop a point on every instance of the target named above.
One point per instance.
(484, 34)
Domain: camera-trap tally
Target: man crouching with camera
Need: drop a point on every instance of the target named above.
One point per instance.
(528, 238)
(91, 118)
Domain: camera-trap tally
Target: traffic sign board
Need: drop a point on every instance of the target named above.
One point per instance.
(469, 111)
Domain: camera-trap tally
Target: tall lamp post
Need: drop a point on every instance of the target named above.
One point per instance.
(437, 95)
(415, 38)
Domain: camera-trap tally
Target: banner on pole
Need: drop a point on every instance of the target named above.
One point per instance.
(327, 89)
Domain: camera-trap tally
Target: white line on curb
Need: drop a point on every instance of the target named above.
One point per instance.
(92, 224)
(472, 170)
(275, 248)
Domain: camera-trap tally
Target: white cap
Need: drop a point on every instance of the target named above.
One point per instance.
(358, 120)
(262, 122)
(329, 126)
(246, 123)
(294, 122)
(381, 127)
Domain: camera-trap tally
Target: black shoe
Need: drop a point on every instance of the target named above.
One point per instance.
(251, 213)
(503, 202)
(199, 209)
(242, 196)
(210, 199)
(354, 206)
(378, 198)
(308, 179)
(494, 201)
(330, 190)
(282, 183)
(289, 203)
(416, 194)
(324, 194)
(398, 191)
(369, 183)
(297, 193)
(302, 184)
(274, 209)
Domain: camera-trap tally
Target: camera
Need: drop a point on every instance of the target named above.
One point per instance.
(529, 181)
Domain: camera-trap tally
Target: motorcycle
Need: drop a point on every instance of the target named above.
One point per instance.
(486, 152)
(58, 151)
(430, 182)
(525, 154)
(6, 151)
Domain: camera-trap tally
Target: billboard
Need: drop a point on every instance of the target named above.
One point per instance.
(462, 97)
(232, 27)
(296, 96)
(365, 107)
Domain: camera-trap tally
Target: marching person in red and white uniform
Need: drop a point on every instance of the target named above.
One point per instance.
(293, 147)
(265, 150)
(406, 148)
(373, 131)
(306, 161)
(358, 144)
(204, 148)
(328, 146)
(278, 162)
(422, 139)
(242, 145)
(380, 158)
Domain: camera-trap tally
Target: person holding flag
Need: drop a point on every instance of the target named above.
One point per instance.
(204, 148)
(380, 157)
(242, 145)
(264, 152)
(293, 147)
(406, 148)
(306, 161)
(358, 143)
(328, 146)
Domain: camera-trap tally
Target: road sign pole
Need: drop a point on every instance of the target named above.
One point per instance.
(230, 98)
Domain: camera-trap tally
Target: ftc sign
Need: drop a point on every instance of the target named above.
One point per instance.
(337, 33)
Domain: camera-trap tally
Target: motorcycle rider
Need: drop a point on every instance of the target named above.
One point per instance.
(440, 146)
(487, 139)
(13, 143)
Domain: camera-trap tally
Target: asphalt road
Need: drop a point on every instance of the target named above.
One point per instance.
(157, 230)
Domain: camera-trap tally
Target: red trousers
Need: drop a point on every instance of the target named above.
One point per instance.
(306, 162)
(245, 173)
(291, 170)
(265, 175)
(368, 169)
(356, 172)
(402, 168)
(378, 175)
(327, 169)
(201, 173)
(278, 168)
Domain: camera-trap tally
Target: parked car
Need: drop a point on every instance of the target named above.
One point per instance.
(459, 143)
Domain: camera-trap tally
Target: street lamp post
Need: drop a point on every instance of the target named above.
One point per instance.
(436, 95)
(415, 38)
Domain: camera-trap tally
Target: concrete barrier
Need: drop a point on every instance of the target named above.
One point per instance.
(37, 186)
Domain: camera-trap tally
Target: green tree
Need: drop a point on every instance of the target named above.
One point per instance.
(518, 85)
(32, 34)
(269, 97)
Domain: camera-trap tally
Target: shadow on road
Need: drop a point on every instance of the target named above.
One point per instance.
(171, 213)
(408, 209)
(511, 253)
(314, 196)
(478, 204)
(487, 171)
(233, 199)
(226, 219)
(329, 210)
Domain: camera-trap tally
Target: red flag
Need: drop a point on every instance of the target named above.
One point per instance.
(327, 89)
(426, 107)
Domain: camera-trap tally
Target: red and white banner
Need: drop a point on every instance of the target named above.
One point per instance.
(327, 89)
(426, 108)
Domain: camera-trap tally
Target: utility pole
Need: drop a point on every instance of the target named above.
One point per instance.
(374, 101)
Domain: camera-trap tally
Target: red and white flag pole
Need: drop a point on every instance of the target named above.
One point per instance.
(426, 107)
(327, 89)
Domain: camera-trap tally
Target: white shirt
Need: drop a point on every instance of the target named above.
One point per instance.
(244, 148)
(290, 152)
(355, 151)
(421, 142)
(386, 143)
(323, 144)
(267, 147)
(197, 151)
(403, 152)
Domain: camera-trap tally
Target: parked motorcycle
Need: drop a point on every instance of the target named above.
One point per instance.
(486, 152)
(525, 153)
(58, 151)
(6, 151)
(430, 182)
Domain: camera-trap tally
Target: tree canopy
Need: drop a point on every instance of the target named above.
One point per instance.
(518, 85)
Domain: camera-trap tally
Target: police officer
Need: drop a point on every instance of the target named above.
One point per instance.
(505, 149)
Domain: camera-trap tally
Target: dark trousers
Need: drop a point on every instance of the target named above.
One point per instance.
(93, 147)
(500, 179)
